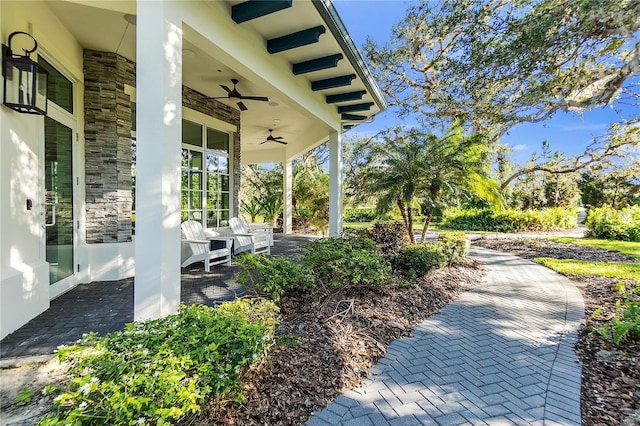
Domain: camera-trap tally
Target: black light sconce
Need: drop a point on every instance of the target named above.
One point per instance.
(25, 82)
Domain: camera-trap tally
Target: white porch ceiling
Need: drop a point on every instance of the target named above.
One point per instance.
(101, 25)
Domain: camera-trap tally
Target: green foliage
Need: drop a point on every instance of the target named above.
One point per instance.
(313, 194)
(156, 372)
(274, 275)
(612, 183)
(311, 188)
(410, 169)
(252, 208)
(457, 240)
(389, 236)
(359, 215)
(511, 220)
(608, 223)
(270, 205)
(627, 324)
(345, 262)
(24, 396)
(416, 260)
(495, 63)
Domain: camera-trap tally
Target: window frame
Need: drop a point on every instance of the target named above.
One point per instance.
(208, 122)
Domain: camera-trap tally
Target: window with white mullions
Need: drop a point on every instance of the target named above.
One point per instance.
(205, 174)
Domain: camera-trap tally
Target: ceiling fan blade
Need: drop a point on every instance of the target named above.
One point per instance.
(255, 98)
(282, 142)
(263, 142)
(278, 137)
(225, 88)
(242, 106)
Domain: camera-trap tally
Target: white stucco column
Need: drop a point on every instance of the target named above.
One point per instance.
(159, 134)
(335, 183)
(287, 193)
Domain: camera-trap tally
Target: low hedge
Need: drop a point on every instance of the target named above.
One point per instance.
(416, 260)
(612, 224)
(511, 220)
(457, 240)
(359, 215)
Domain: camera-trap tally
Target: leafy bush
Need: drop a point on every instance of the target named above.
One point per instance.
(345, 262)
(511, 220)
(359, 215)
(608, 223)
(389, 236)
(156, 372)
(417, 260)
(274, 275)
(457, 240)
(629, 312)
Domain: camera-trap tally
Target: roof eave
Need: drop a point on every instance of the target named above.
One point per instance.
(330, 15)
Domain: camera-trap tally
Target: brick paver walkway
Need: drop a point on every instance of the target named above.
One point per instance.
(502, 354)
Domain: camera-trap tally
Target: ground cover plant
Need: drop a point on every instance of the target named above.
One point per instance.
(608, 344)
(331, 335)
(156, 372)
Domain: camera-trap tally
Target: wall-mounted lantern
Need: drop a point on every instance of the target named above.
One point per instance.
(25, 82)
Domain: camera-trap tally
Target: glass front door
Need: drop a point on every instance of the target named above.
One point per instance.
(59, 220)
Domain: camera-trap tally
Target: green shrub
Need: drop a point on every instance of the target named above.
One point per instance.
(627, 325)
(345, 262)
(611, 224)
(389, 236)
(156, 372)
(417, 260)
(274, 275)
(457, 240)
(511, 220)
(359, 215)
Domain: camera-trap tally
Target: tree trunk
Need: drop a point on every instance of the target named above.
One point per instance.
(412, 237)
(427, 221)
(407, 225)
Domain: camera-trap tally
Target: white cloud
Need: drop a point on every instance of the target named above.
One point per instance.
(520, 147)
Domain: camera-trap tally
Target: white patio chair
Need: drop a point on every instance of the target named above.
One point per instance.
(258, 227)
(200, 245)
(256, 242)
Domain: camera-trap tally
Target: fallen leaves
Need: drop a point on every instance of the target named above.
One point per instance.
(328, 343)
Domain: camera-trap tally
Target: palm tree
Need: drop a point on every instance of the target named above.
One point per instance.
(416, 168)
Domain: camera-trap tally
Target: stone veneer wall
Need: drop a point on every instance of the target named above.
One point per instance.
(199, 102)
(107, 133)
(108, 144)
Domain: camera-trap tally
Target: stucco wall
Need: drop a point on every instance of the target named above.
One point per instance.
(24, 273)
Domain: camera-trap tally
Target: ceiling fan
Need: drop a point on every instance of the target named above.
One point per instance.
(234, 94)
(271, 138)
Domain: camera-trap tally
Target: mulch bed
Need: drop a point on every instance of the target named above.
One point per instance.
(610, 373)
(328, 343)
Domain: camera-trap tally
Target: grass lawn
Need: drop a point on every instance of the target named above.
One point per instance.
(603, 269)
(625, 247)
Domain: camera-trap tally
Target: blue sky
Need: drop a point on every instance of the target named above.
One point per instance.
(568, 133)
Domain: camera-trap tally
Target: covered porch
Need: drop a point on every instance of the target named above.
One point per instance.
(180, 93)
(103, 307)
